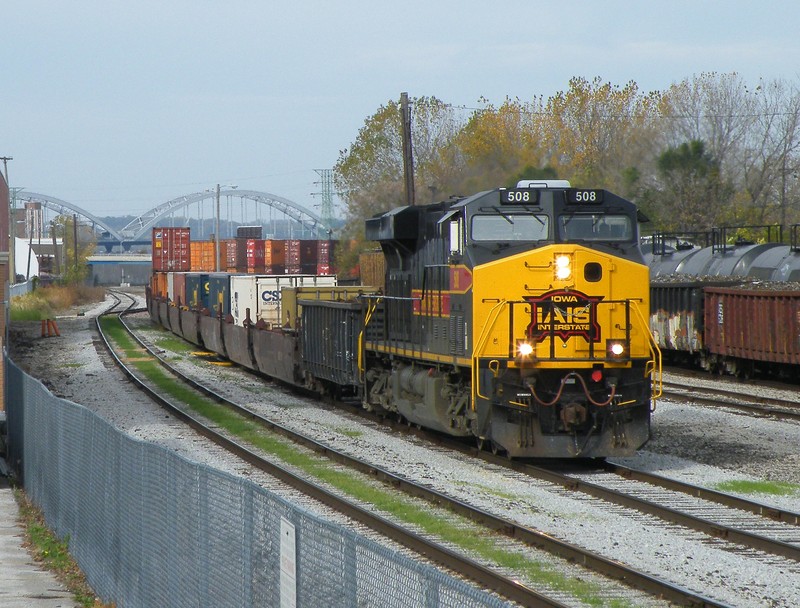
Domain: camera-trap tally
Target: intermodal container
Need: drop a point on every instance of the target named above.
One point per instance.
(336, 357)
(203, 256)
(178, 295)
(255, 256)
(219, 293)
(309, 252)
(241, 255)
(197, 290)
(171, 249)
(159, 285)
(249, 232)
(275, 253)
(229, 253)
(292, 252)
(261, 295)
(292, 299)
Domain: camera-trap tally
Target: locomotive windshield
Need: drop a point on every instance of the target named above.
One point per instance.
(506, 226)
(595, 227)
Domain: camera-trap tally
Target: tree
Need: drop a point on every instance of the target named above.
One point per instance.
(717, 109)
(693, 191)
(596, 130)
(369, 175)
(497, 143)
(771, 163)
(76, 252)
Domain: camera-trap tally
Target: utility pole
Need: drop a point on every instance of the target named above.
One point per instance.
(408, 156)
(216, 233)
(12, 240)
(5, 160)
(75, 240)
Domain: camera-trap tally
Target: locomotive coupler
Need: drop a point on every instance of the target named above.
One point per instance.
(573, 415)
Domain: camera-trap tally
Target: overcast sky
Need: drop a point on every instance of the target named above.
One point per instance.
(120, 106)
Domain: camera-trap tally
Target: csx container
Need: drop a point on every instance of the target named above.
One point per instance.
(197, 290)
(171, 249)
(219, 293)
(261, 295)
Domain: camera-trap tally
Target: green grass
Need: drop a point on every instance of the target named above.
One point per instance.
(774, 488)
(175, 345)
(451, 528)
(354, 433)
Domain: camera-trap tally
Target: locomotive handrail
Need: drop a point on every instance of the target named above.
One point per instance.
(653, 367)
(496, 310)
(372, 306)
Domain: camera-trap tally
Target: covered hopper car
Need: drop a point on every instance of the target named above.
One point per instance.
(733, 309)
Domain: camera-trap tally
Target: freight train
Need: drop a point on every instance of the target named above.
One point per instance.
(517, 317)
(728, 308)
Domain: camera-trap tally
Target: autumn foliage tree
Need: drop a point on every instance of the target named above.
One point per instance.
(79, 243)
(709, 149)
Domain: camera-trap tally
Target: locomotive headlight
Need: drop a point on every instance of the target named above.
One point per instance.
(616, 350)
(563, 265)
(524, 349)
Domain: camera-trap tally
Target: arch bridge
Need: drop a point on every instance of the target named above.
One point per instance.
(295, 217)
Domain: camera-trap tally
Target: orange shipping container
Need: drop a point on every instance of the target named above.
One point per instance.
(203, 255)
(274, 253)
(160, 284)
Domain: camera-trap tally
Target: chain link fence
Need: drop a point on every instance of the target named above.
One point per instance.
(151, 529)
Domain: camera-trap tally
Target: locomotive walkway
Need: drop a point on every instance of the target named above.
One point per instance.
(23, 582)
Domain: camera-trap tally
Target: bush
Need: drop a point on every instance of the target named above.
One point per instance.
(46, 302)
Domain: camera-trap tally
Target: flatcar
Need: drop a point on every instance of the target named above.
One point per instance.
(516, 316)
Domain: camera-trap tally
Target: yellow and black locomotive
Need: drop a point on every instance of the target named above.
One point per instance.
(519, 316)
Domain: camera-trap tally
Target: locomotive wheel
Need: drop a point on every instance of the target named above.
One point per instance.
(496, 449)
(481, 443)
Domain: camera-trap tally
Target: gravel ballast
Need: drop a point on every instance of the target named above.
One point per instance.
(690, 443)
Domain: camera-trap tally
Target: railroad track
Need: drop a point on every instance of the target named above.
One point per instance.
(510, 588)
(486, 577)
(719, 396)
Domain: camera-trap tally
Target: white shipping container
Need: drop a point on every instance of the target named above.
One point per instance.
(243, 295)
(269, 292)
(262, 294)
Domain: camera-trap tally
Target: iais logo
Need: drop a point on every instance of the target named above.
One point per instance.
(564, 314)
